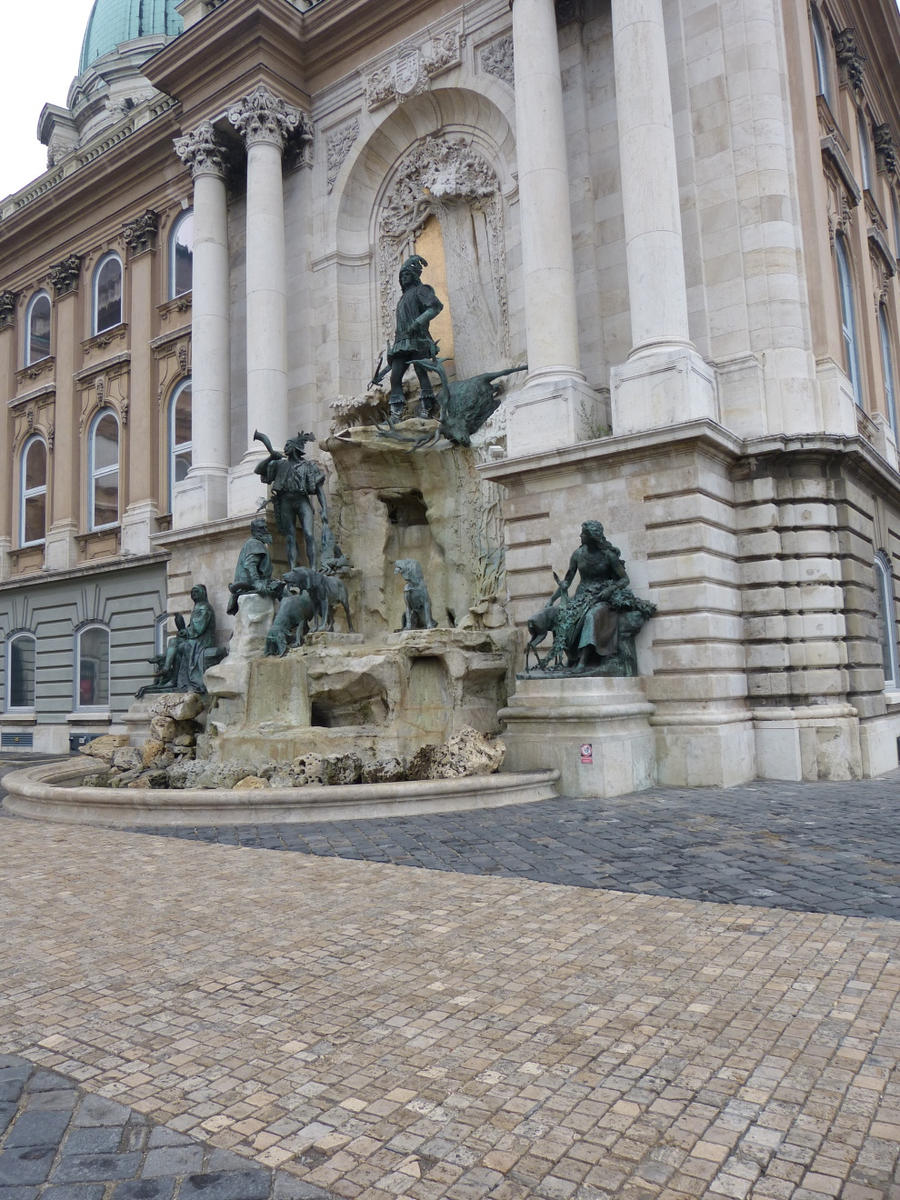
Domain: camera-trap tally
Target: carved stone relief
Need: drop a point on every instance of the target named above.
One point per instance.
(339, 143)
(262, 116)
(497, 58)
(412, 70)
(850, 59)
(201, 150)
(885, 148)
(446, 178)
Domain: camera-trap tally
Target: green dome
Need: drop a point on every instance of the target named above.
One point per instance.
(115, 21)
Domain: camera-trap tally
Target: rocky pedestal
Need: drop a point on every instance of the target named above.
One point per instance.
(594, 730)
(385, 697)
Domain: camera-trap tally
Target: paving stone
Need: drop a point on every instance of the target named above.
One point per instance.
(74, 1191)
(146, 1189)
(93, 1139)
(26, 1164)
(75, 1168)
(227, 1185)
(97, 1110)
(173, 1160)
(37, 1129)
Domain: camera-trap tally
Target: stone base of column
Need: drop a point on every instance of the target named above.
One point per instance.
(245, 488)
(138, 523)
(704, 749)
(552, 411)
(819, 742)
(200, 498)
(839, 408)
(60, 549)
(5, 564)
(662, 387)
(594, 730)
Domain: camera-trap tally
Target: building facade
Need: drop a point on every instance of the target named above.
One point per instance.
(684, 217)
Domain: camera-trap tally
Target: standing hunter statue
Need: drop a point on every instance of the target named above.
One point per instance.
(417, 308)
(293, 480)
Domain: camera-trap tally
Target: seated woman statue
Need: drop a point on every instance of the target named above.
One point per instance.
(596, 627)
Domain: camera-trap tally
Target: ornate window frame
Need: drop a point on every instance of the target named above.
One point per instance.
(173, 290)
(29, 356)
(81, 662)
(176, 449)
(34, 492)
(104, 471)
(849, 329)
(822, 57)
(105, 261)
(20, 635)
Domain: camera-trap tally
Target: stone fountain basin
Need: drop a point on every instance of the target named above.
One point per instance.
(53, 791)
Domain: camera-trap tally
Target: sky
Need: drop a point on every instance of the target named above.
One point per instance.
(38, 60)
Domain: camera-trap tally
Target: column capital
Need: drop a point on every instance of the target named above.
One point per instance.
(8, 301)
(202, 151)
(140, 232)
(64, 275)
(263, 117)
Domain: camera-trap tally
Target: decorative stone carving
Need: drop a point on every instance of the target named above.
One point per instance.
(140, 232)
(8, 309)
(64, 275)
(201, 150)
(412, 70)
(51, 438)
(885, 148)
(446, 177)
(850, 58)
(498, 59)
(338, 146)
(264, 117)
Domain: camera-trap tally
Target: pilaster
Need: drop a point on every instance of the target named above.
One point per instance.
(139, 517)
(61, 550)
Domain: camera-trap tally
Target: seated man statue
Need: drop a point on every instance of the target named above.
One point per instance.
(190, 652)
(253, 572)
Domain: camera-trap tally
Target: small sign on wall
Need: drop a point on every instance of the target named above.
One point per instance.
(587, 753)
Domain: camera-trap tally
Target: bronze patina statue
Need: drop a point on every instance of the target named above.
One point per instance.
(253, 572)
(191, 652)
(418, 306)
(594, 630)
(293, 479)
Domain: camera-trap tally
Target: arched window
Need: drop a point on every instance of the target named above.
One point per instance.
(181, 256)
(848, 317)
(103, 452)
(820, 44)
(180, 436)
(884, 586)
(887, 367)
(33, 492)
(865, 155)
(92, 667)
(37, 329)
(20, 660)
(107, 298)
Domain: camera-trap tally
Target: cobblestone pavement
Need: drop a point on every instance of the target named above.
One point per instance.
(814, 847)
(380, 1031)
(58, 1142)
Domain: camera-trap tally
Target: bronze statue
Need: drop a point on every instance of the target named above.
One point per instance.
(293, 479)
(253, 572)
(191, 652)
(465, 404)
(417, 307)
(416, 601)
(594, 630)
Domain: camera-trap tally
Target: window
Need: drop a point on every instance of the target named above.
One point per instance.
(107, 293)
(20, 660)
(92, 667)
(33, 492)
(887, 367)
(820, 44)
(848, 317)
(180, 436)
(865, 158)
(37, 329)
(884, 586)
(181, 256)
(104, 470)
(895, 213)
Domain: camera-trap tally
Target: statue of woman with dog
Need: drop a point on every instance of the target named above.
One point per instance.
(593, 630)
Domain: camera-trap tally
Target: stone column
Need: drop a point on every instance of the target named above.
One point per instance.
(545, 412)
(203, 495)
(61, 550)
(8, 361)
(265, 120)
(664, 381)
(142, 509)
